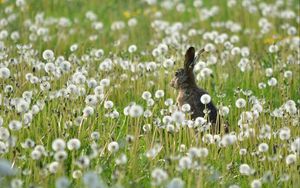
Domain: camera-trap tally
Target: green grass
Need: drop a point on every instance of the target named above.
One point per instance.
(48, 124)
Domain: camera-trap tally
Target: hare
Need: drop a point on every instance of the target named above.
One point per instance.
(189, 93)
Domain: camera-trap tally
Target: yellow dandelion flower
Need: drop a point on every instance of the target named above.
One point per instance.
(127, 14)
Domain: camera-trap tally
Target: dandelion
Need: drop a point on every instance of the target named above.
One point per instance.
(53, 167)
(159, 176)
(256, 184)
(185, 163)
(269, 72)
(36, 155)
(95, 135)
(62, 182)
(146, 95)
(273, 48)
(22, 106)
(203, 152)
(288, 74)
(284, 133)
(73, 144)
(83, 162)
(290, 159)
(240, 103)
(147, 113)
(15, 125)
(6, 168)
(170, 128)
(4, 133)
(186, 108)
(159, 94)
(205, 99)
(224, 111)
(234, 186)
(60, 155)
(108, 104)
(113, 147)
(176, 183)
(48, 55)
(76, 174)
(132, 48)
(246, 170)
(263, 147)
(121, 160)
(243, 151)
(4, 73)
(136, 111)
(3, 148)
(132, 22)
(272, 82)
(228, 139)
(58, 144)
(178, 117)
(16, 183)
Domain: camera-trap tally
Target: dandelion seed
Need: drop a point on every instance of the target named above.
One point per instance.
(243, 151)
(6, 168)
(186, 108)
(83, 162)
(4, 73)
(185, 163)
(263, 147)
(256, 184)
(205, 99)
(159, 94)
(284, 133)
(73, 144)
(121, 160)
(234, 186)
(62, 182)
(113, 147)
(224, 111)
(176, 183)
(146, 95)
(48, 55)
(132, 48)
(272, 82)
(291, 159)
(58, 144)
(269, 72)
(95, 135)
(178, 117)
(108, 104)
(60, 155)
(16, 183)
(246, 170)
(77, 174)
(53, 167)
(36, 155)
(240, 103)
(273, 49)
(4, 133)
(288, 74)
(158, 176)
(136, 111)
(15, 125)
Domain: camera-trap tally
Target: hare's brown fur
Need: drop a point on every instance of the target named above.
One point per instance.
(190, 93)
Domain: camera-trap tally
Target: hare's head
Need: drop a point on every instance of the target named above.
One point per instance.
(184, 77)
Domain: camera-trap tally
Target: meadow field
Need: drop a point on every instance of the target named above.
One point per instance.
(85, 99)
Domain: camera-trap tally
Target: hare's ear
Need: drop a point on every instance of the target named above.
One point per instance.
(200, 52)
(189, 59)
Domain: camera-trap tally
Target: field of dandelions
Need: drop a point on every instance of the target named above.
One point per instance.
(85, 99)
